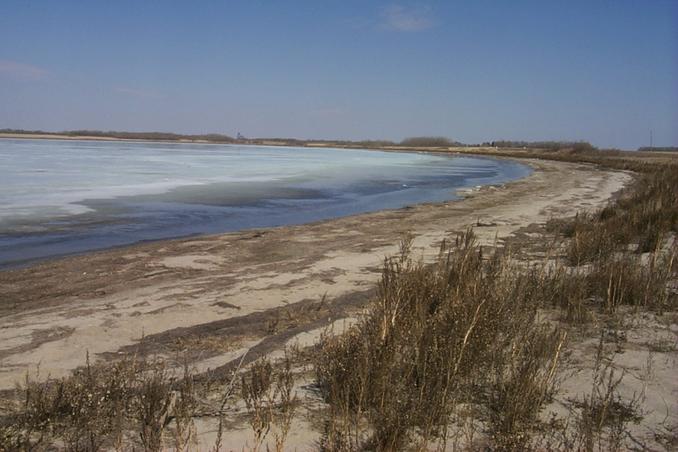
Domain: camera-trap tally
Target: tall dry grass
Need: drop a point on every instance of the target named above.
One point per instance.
(644, 214)
(101, 407)
(142, 404)
(463, 332)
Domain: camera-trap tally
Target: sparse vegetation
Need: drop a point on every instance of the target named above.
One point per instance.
(98, 407)
(270, 401)
(461, 333)
(644, 215)
(139, 404)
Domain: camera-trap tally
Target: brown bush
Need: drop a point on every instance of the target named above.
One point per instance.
(462, 331)
(98, 407)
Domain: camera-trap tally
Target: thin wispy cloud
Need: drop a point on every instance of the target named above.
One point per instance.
(21, 71)
(407, 19)
(134, 92)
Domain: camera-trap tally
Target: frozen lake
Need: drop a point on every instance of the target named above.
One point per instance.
(64, 197)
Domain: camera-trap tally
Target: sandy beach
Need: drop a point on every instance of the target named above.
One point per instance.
(210, 298)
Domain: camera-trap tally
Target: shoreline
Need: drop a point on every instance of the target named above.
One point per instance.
(95, 213)
(458, 194)
(104, 302)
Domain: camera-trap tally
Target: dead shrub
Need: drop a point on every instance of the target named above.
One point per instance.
(99, 407)
(604, 413)
(270, 399)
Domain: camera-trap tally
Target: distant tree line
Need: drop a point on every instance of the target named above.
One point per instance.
(162, 136)
(576, 146)
(430, 142)
(325, 142)
(659, 149)
(22, 131)
(149, 135)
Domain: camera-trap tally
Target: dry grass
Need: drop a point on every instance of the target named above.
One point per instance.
(462, 339)
(644, 215)
(464, 331)
(270, 400)
(102, 406)
(138, 404)
(609, 282)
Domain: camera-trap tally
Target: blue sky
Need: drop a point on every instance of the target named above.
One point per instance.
(601, 71)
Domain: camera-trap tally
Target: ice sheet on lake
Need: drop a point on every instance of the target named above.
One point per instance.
(58, 197)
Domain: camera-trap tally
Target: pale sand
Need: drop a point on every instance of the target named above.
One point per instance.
(52, 314)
